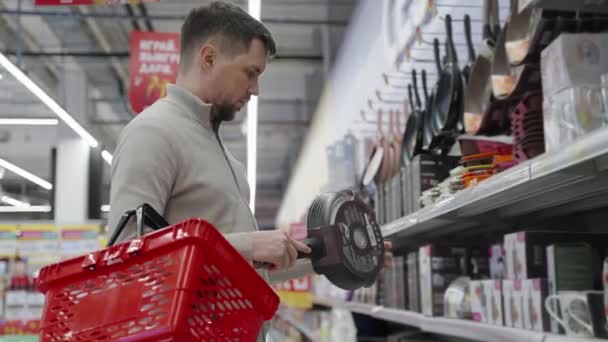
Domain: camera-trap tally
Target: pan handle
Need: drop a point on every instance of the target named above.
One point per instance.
(467, 32)
(415, 86)
(437, 58)
(409, 94)
(451, 53)
(424, 87)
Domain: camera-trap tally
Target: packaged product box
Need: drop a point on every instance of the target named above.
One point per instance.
(441, 264)
(572, 68)
(569, 268)
(497, 261)
(478, 307)
(512, 295)
(495, 310)
(426, 172)
(526, 251)
(574, 59)
(535, 315)
(488, 291)
(507, 294)
(413, 282)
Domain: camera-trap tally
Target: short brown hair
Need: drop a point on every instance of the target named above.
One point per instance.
(234, 28)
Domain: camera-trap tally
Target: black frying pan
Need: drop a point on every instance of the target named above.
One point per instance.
(428, 127)
(466, 71)
(419, 113)
(408, 149)
(447, 108)
(479, 88)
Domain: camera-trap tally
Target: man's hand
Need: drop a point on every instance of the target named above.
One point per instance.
(276, 248)
(388, 254)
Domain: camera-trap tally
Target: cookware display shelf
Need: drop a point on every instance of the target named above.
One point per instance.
(470, 330)
(572, 180)
(565, 5)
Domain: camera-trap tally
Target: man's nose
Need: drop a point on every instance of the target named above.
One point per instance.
(254, 89)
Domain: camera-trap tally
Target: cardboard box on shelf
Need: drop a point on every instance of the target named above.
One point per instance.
(526, 251)
(512, 295)
(478, 307)
(573, 60)
(440, 265)
(535, 315)
(497, 261)
(496, 310)
(413, 282)
(569, 268)
(571, 68)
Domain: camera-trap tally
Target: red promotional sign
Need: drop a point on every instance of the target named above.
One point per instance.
(154, 63)
(87, 2)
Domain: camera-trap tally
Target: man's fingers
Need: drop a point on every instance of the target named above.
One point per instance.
(301, 247)
(293, 254)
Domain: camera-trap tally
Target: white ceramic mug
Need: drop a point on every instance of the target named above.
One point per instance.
(575, 313)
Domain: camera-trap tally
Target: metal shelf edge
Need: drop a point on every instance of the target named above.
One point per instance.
(449, 326)
(521, 178)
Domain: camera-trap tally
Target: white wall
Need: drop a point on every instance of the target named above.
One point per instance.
(356, 75)
(360, 60)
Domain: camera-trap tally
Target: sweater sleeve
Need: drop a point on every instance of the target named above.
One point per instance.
(300, 269)
(143, 171)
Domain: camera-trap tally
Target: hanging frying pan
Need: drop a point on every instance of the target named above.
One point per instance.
(466, 71)
(447, 108)
(411, 129)
(372, 169)
(398, 139)
(503, 80)
(387, 158)
(392, 144)
(429, 129)
(479, 88)
(419, 113)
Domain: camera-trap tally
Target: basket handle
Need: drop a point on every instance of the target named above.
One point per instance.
(145, 215)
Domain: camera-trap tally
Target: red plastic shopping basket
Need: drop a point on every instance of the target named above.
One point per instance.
(181, 283)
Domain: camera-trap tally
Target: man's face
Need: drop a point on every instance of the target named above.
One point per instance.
(235, 79)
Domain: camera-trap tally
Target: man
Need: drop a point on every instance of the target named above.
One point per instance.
(171, 156)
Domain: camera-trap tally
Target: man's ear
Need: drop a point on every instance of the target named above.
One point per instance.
(207, 56)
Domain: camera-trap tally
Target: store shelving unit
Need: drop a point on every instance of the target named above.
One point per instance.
(571, 180)
(450, 327)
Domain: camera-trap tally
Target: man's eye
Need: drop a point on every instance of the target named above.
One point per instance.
(250, 74)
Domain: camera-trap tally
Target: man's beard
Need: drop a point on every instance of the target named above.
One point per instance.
(223, 112)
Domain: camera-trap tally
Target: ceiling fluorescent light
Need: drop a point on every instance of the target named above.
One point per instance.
(252, 137)
(47, 100)
(107, 156)
(14, 202)
(255, 9)
(29, 122)
(30, 209)
(25, 174)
